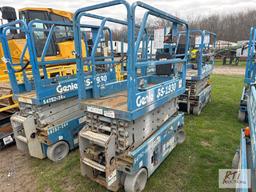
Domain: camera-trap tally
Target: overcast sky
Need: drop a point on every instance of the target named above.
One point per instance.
(181, 8)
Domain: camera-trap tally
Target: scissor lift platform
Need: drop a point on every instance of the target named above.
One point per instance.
(198, 87)
(117, 102)
(134, 124)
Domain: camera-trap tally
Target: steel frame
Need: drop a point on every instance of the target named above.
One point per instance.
(131, 84)
(247, 155)
(250, 72)
(247, 152)
(203, 69)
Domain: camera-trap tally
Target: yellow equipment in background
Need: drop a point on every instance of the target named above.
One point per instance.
(17, 44)
(119, 74)
(193, 54)
(64, 47)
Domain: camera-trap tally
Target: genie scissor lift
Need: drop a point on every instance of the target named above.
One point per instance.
(245, 157)
(134, 124)
(200, 67)
(49, 119)
(16, 42)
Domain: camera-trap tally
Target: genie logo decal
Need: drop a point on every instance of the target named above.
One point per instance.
(66, 88)
(74, 86)
(157, 93)
(143, 100)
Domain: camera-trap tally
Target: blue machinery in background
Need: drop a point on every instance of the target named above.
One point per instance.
(50, 118)
(249, 77)
(245, 158)
(204, 59)
(200, 66)
(131, 125)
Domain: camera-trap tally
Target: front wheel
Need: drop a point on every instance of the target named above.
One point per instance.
(137, 182)
(58, 151)
(197, 110)
(235, 161)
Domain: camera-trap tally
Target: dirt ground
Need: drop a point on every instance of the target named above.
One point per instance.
(16, 174)
(227, 70)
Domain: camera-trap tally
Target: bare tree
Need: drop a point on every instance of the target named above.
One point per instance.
(232, 27)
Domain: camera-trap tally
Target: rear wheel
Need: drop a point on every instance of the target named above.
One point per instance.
(181, 137)
(209, 98)
(58, 151)
(241, 116)
(137, 182)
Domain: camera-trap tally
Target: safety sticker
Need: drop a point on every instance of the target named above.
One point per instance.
(95, 110)
(110, 114)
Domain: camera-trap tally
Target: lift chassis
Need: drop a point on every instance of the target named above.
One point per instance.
(245, 157)
(200, 66)
(141, 160)
(48, 131)
(197, 95)
(134, 124)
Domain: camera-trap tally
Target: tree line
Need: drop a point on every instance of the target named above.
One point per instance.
(231, 27)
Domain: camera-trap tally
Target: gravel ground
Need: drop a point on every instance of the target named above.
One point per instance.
(226, 70)
(16, 174)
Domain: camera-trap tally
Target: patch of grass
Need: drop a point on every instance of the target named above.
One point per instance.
(212, 139)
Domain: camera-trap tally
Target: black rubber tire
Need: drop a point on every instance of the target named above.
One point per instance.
(58, 151)
(137, 182)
